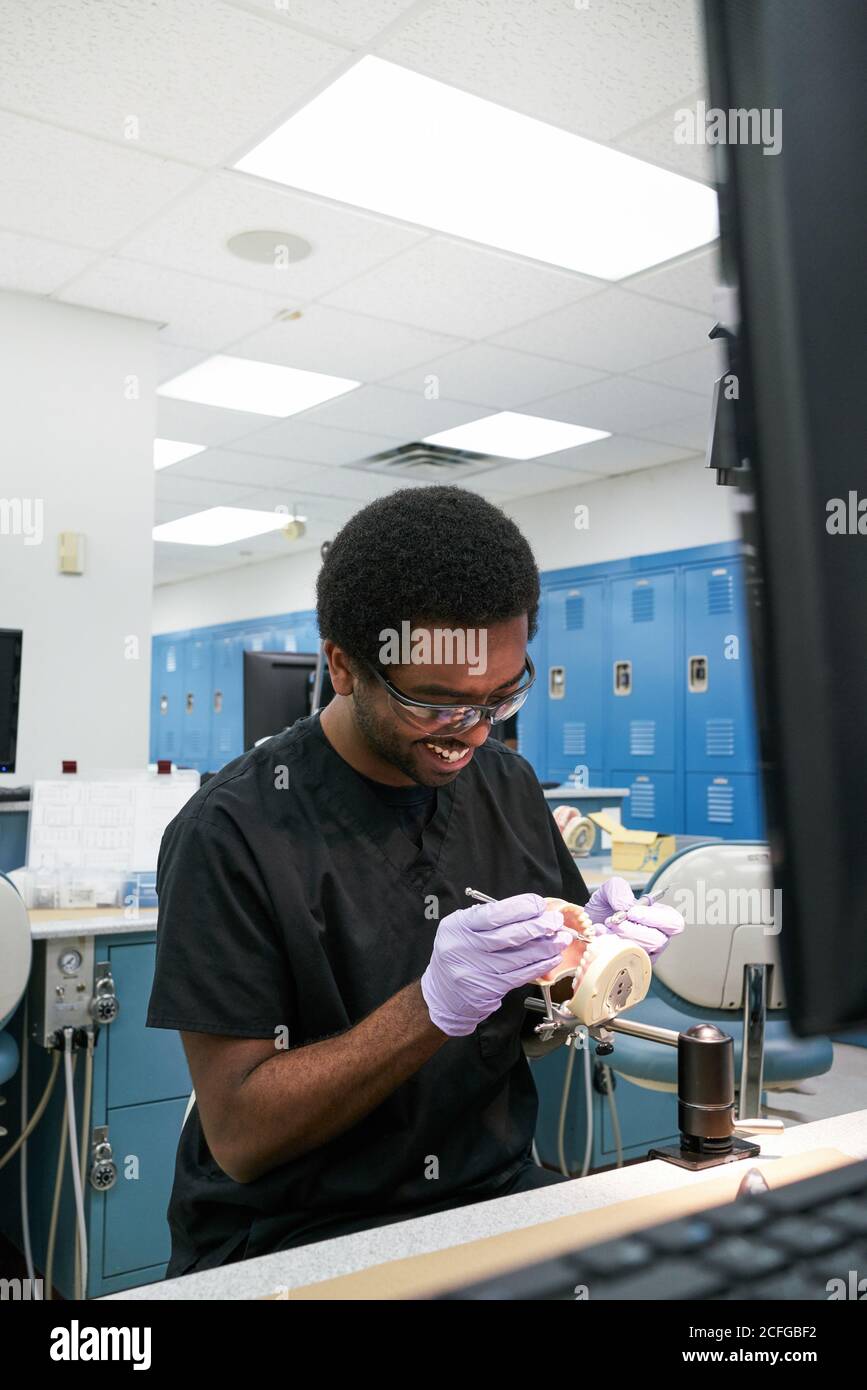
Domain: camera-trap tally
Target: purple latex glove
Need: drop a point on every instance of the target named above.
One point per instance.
(481, 953)
(650, 925)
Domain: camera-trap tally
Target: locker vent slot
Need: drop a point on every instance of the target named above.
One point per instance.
(642, 801)
(196, 743)
(643, 605)
(642, 738)
(574, 612)
(574, 739)
(719, 738)
(720, 593)
(720, 804)
(224, 743)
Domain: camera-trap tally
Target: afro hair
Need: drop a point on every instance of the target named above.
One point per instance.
(431, 554)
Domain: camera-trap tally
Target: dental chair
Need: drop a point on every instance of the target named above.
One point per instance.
(15, 956)
(724, 968)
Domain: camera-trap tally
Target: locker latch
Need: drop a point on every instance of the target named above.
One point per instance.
(698, 674)
(164, 704)
(556, 682)
(218, 702)
(623, 678)
(188, 703)
(103, 1169)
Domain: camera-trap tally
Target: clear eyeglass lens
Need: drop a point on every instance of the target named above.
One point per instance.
(458, 718)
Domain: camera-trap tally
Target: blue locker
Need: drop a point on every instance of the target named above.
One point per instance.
(135, 1073)
(641, 685)
(653, 802)
(227, 701)
(726, 806)
(719, 722)
(135, 1233)
(167, 700)
(531, 719)
(197, 697)
(575, 680)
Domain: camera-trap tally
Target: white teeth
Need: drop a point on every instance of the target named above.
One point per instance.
(447, 755)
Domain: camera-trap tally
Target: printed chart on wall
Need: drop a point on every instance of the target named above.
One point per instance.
(104, 824)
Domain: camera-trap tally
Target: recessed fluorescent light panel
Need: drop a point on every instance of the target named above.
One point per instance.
(387, 139)
(169, 451)
(509, 435)
(219, 526)
(261, 388)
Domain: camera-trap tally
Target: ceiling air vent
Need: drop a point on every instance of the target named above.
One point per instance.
(430, 463)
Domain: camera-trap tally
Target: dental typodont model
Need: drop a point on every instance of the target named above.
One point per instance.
(609, 972)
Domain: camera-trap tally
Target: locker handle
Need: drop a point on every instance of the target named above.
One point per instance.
(188, 704)
(218, 702)
(556, 682)
(623, 678)
(164, 704)
(698, 674)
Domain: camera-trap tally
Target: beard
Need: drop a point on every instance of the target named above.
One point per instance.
(380, 734)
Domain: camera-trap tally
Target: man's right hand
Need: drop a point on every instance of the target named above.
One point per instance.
(481, 953)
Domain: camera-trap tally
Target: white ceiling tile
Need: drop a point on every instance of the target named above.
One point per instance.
(621, 454)
(70, 188)
(618, 404)
(492, 376)
(522, 479)
(361, 485)
(198, 492)
(192, 236)
(31, 266)
(299, 438)
(654, 141)
(200, 80)
(453, 287)
(317, 507)
(690, 371)
(593, 68)
(691, 432)
(196, 313)
(689, 281)
(172, 360)
(202, 424)
(351, 23)
(342, 344)
(242, 469)
(613, 331)
(402, 414)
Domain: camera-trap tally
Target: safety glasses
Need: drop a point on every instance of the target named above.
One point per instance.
(453, 719)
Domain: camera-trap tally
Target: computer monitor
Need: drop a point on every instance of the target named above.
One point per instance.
(792, 245)
(278, 689)
(10, 682)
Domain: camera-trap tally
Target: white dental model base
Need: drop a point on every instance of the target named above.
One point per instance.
(609, 974)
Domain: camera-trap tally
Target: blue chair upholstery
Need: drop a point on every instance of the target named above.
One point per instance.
(788, 1059)
(9, 1057)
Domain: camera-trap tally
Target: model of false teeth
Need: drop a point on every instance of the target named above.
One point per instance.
(609, 973)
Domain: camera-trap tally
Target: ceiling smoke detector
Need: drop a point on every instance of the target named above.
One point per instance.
(432, 463)
(269, 247)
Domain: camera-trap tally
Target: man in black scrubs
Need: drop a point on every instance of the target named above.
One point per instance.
(353, 1025)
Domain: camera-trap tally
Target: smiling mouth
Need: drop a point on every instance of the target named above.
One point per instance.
(448, 751)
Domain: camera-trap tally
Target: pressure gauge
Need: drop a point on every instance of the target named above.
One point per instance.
(70, 962)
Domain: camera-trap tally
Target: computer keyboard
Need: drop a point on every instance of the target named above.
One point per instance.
(783, 1244)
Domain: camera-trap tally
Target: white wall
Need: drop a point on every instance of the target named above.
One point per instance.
(667, 508)
(74, 440)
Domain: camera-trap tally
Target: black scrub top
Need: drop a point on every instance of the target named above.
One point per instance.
(291, 897)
